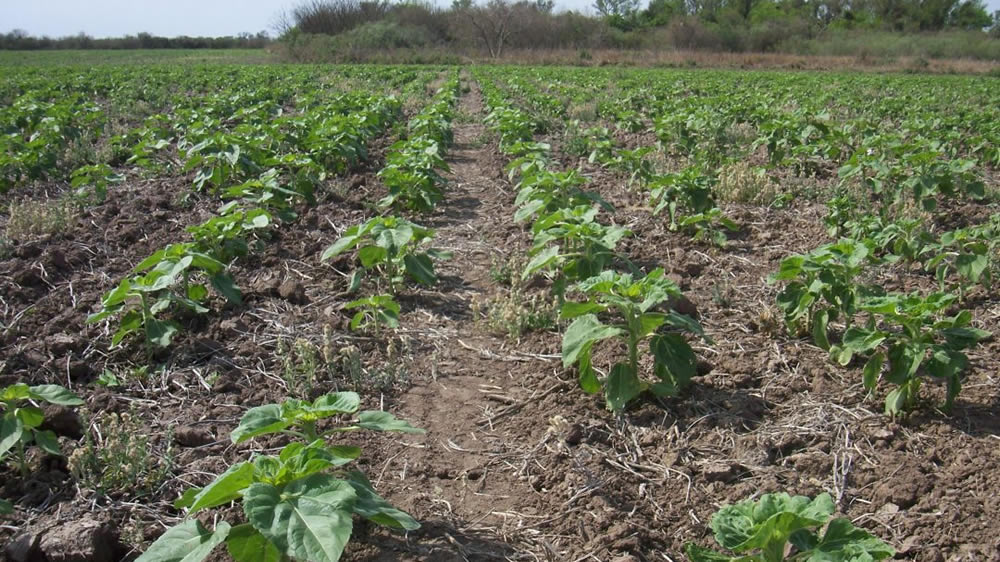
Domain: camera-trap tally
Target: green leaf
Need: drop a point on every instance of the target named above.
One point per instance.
(309, 519)
(541, 260)
(582, 334)
(701, 554)
(372, 255)
(55, 394)
(847, 543)
(48, 442)
(588, 378)
(895, 401)
(820, 322)
(622, 386)
(340, 245)
(768, 522)
(226, 287)
(130, 322)
(571, 309)
(384, 421)
(11, 430)
(374, 508)
(160, 332)
(224, 489)
(420, 268)
(258, 421)
(6, 508)
(971, 266)
(30, 416)
(872, 369)
(675, 362)
(187, 542)
(336, 403)
(17, 391)
(246, 544)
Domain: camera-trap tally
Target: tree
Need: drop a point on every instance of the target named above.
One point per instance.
(494, 22)
(970, 15)
(616, 8)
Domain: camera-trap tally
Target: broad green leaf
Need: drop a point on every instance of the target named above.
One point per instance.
(258, 421)
(384, 421)
(420, 268)
(6, 508)
(336, 403)
(55, 394)
(820, 322)
(226, 287)
(374, 508)
(246, 544)
(872, 369)
(187, 542)
(17, 391)
(571, 309)
(48, 442)
(588, 378)
(309, 519)
(700, 554)
(541, 260)
(675, 361)
(30, 416)
(771, 519)
(224, 489)
(130, 322)
(160, 332)
(372, 255)
(11, 430)
(843, 542)
(582, 334)
(339, 246)
(622, 386)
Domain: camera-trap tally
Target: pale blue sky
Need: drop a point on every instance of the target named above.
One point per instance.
(114, 18)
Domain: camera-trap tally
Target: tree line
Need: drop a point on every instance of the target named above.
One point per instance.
(21, 40)
(496, 26)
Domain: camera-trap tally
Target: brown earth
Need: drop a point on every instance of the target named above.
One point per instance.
(517, 463)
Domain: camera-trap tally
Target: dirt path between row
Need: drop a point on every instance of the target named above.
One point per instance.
(456, 479)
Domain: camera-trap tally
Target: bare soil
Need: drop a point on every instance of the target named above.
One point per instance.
(517, 462)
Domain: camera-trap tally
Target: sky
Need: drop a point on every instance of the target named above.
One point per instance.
(169, 18)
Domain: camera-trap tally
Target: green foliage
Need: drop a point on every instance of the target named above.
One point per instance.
(22, 418)
(709, 225)
(389, 246)
(91, 182)
(299, 504)
(820, 287)
(763, 530)
(573, 244)
(167, 279)
(687, 191)
(374, 313)
(633, 306)
(910, 335)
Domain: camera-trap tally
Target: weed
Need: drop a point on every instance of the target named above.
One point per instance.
(39, 218)
(116, 460)
(740, 182)
(303, 366)
(516, 313)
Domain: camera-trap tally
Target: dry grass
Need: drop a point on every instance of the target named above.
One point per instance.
(30, 218)
(704, 59)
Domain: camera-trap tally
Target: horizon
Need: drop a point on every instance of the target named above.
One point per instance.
(118, 18)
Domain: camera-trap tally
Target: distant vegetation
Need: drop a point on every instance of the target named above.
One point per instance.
(21, 40)
(377, 30)
(353, 29)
